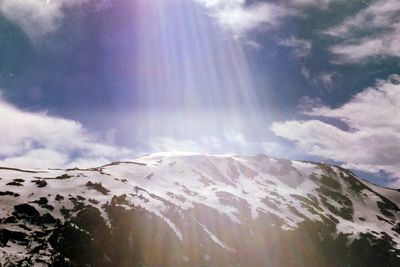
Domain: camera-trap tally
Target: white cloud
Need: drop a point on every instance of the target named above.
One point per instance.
(169, 144)
(231, 141)
(307, 103)
(371, 143)
(322, 4)
(35, 17)
(38, 140)
(238, 17)
(374, 31)
(38, 158)
(277, 150)
(325, 79)
(39, 17)
(385, 44)
(242, 16)
(209, 144)
(378, 14)
(305, 72)
(301, 47)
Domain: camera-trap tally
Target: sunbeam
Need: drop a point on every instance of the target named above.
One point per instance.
(193, 79)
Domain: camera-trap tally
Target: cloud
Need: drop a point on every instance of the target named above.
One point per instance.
(369, 47)
(242, 16)
(305, 72)
(321, 4)
(374, 31)
(35, 17)
(372, 140)
(325, 79)
(301, 47)
(207, 143)
(230, 141)
(169, 144)
(239, 17)
(307, 103)
(38, 140)
(40, 17)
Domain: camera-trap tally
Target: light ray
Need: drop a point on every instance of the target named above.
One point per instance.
(193, 78)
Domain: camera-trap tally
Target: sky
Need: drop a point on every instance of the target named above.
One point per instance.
(85, 82)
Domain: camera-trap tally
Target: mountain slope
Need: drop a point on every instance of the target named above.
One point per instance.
(182, 209)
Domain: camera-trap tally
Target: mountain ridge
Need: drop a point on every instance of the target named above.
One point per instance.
(204, 206)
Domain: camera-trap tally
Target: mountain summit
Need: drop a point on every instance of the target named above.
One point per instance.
(187, 209)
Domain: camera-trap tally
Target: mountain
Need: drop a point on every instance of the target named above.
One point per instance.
(186, 209)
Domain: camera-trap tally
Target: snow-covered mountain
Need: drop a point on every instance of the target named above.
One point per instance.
(186, 209)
